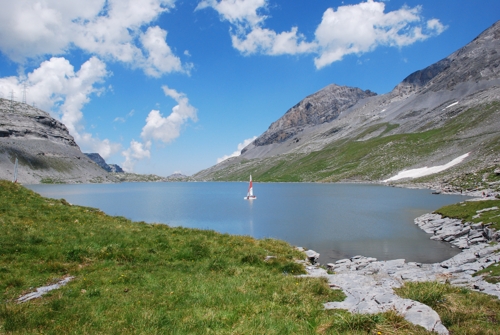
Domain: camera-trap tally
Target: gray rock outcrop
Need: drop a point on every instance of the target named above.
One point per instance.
(45, 149)
(96, 158)
(318, 108)
(461, 235)
(369, 284)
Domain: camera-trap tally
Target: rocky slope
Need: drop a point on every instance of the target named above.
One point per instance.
(96, 158)
(318, 108)
(434, 115)
(45, 149)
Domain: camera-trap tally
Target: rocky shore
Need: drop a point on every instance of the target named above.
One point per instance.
(368, 284)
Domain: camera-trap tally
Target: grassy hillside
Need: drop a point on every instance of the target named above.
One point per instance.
(378, 157)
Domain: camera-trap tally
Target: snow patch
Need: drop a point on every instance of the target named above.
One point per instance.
(453, 104)
(425, 171)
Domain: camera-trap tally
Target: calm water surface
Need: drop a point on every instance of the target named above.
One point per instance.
(336, 220)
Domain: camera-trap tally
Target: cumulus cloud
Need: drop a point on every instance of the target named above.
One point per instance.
(352, 29)
(238, 151)
(238, 12)
(160, 128)
(55, 86)
(166, 129)
(111, 29)
(137, 151)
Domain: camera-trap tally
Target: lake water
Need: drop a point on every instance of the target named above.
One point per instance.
(336, 220)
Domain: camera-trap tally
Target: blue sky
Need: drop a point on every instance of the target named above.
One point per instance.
(164, 86)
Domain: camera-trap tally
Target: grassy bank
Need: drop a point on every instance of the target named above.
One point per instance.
(139, 278)
(487, 212)
(136, 278)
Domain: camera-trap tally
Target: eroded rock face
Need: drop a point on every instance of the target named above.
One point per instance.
(19, 120)
(321, 107)
(44, 148)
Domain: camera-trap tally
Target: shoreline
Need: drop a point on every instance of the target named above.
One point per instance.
(369, 284)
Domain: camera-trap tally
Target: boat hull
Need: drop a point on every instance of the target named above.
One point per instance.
(253, 197)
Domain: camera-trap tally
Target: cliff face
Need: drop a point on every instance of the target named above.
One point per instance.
(45, 149)
(318, 108)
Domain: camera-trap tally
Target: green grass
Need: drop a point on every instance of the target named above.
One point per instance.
(462, 311)
(491, 274)
(364, 160)
(139, 278)
(466, 211)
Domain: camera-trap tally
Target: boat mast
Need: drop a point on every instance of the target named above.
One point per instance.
(15, 171)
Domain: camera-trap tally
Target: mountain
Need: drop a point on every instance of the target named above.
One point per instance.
(116, 168)
(47, 153)
(340, 133)
(96, 158)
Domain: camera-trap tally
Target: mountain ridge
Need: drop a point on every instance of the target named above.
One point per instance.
(457, 95)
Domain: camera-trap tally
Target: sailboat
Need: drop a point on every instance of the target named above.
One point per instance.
(250, 195)
(15, 171)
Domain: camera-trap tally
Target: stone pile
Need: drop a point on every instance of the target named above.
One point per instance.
(461, 235)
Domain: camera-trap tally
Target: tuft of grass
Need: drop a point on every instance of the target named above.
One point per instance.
(462, 311)
(431, 294)
(491, 274)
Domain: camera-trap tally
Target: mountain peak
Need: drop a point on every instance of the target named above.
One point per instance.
(318, 108)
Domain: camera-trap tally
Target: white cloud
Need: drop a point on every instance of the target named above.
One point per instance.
(56, 87)
(160, 58)
(111, 29)
(166, 129)
(360, 28)
(237, 12)
(238, 151)
(268, 42)
(160, 128)
(137, 151)
(122, 119)
(352, 29)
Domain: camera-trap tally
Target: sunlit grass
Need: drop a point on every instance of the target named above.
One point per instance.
(139, 278)
(462, 311)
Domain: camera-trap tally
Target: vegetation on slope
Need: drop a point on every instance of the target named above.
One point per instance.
(373, 159)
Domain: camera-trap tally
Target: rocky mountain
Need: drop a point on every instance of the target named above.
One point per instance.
(116, 168)
(434, 115)
(45, 149)
(96, 158)
(318, 108)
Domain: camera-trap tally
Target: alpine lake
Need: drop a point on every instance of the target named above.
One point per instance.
(337, 220)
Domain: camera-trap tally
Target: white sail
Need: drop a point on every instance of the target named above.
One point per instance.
(250, 195)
